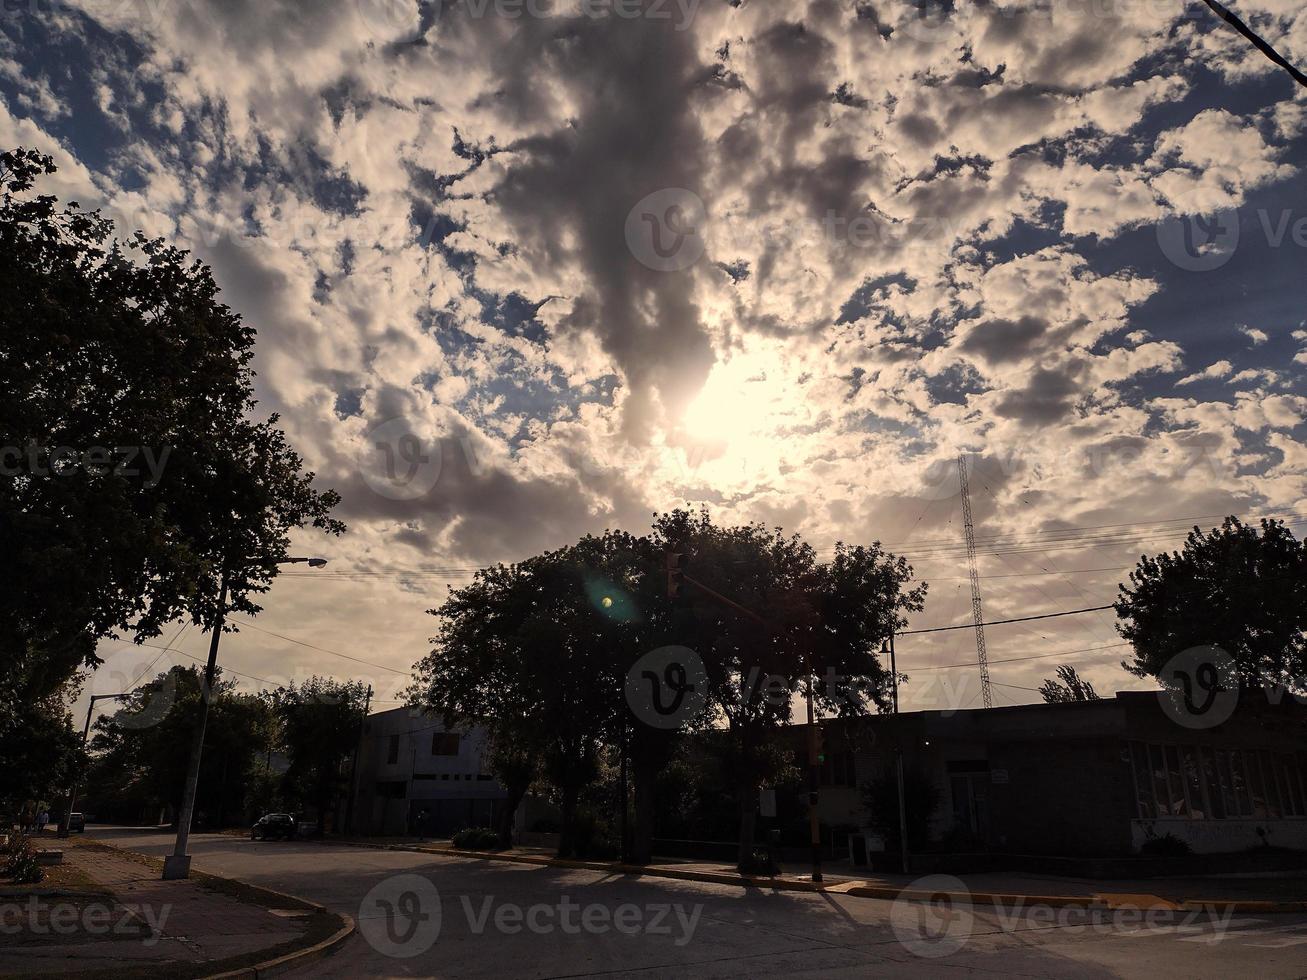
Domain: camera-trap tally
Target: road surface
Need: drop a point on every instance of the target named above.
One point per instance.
(422, 915)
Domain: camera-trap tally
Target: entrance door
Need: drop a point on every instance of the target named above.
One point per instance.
(970, 791)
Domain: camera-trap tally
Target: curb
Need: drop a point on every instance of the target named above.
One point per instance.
(883, 892)
(300, 957)
(287, 961)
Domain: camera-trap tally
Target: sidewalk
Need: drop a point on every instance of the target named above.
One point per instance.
(129, 921)
(1245, 894)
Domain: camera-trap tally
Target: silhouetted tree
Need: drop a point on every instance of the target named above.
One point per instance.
(134, 472)
(1234, 587)
(1068, 687)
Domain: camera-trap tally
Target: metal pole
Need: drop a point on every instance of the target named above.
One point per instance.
(86, 731)
(814, 782)
(178, 863)
(898, 758)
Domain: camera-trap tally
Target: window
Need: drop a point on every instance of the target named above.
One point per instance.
(1202, 783)
(392, 750)
(444, 743)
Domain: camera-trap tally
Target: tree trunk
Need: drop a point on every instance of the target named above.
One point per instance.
(567, 832)
(645, 773)
(748, 821)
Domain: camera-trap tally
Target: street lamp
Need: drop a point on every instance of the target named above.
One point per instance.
(178, 863)
(86, 731)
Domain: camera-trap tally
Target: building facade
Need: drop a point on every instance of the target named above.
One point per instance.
(1095, 778)
(415, 777)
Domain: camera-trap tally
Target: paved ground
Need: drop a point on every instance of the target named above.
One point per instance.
(421, 915)
(137, 919)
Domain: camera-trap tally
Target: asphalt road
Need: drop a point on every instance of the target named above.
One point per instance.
(426, 916)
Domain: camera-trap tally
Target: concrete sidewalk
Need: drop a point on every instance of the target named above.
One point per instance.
(133, 921)
(1244, 894)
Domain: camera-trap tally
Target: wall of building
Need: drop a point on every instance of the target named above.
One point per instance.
(1223, 836)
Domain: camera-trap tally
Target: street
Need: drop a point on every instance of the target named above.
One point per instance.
(471, 918)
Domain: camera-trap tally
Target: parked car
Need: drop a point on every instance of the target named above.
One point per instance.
(77, 823)
(274, 826)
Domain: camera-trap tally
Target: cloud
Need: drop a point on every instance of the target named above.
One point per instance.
(1253, 334)
(1218, 370)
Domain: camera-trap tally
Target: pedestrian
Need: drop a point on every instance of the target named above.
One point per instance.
(42, 819)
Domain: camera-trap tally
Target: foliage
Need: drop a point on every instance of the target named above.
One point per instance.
(759, 862)
(477, 839)
(142, 750)
(1068, 687)
(1165, 845)
(39, 751)
(135, 471)
(21, 865)
(538, 652)
(880, 797)
(1234, 588)
(319, 723)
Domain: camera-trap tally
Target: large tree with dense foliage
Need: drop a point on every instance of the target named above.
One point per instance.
(540, 650)
(1240, 588)
(135, 474)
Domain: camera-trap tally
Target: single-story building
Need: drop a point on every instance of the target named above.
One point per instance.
(1093, 778)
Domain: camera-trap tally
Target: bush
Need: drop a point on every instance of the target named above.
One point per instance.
(758, 862)
(20, 861)
(1167, 845)
(880, 798)
(477, 839)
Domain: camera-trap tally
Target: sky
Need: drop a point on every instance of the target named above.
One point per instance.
(523, 271)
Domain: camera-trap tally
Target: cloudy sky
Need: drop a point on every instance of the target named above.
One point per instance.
(526, 270)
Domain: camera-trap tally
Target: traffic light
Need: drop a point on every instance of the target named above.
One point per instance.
(676, 562)
(817, 756)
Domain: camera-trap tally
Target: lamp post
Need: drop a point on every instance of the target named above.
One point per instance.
(178, 863)
(86, 731)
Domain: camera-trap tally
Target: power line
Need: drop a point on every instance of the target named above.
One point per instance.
(334, 653)
(1036, 656)
(1000, 622)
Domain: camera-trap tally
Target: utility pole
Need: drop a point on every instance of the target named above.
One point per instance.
(86, 731)
(977, 616)
(178, 863)
(898, 759)
(354, 766)
(814, 786)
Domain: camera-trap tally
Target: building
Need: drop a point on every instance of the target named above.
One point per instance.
(415, 777)
(1095, 778)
